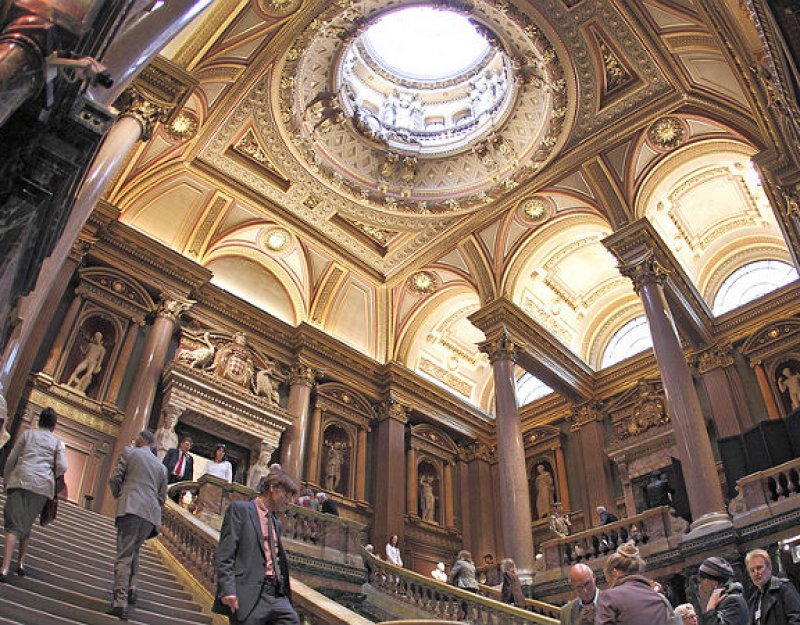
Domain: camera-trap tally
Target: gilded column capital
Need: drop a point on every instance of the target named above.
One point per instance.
(584, 414)
(713, 358)
(500, 348)
(171, 307)
(303, 374)
(791, 201)
(477, 451)
(148, 111)
(644, 270)
(392, 409)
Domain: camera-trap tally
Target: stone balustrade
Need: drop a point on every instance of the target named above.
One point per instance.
(766, 494)
(443, 601)
(306, 531)
(653, 530)
(194, 544)
(532, 605)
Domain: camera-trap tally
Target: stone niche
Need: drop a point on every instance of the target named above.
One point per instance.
(774, 354)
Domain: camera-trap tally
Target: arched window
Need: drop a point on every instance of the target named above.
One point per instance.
(632, 338)
(530, 389)
(750, 282)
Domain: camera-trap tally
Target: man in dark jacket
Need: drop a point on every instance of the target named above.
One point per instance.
(776, 601)
(721, 599)
(252, 569)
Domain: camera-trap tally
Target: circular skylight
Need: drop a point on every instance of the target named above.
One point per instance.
(424, 43)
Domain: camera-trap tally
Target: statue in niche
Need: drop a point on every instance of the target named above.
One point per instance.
(234, 361)
(333, 465)
(544, 491)
(91, 364)
(200, 357)
(427, 499)
(166, 438)
(789, 382)
(264, 385)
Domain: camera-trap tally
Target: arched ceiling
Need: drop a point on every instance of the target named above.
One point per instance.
(623, 108)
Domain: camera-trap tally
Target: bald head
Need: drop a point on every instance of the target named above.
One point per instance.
(582, 580)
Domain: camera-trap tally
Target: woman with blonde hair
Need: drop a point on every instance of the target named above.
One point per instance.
(512, 588)
(630, 599)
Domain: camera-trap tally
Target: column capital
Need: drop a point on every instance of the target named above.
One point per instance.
(304, 374)
(500, 348)
(584, 414)
(713, 358)
(477, 451)
(148, 112)
(392, 409)
(791, 201)
(172, 307)
(644, 270)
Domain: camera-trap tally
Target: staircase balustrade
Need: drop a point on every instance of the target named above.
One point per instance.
(651, 530)
(443, 601)
(532, 605)
(767, 493)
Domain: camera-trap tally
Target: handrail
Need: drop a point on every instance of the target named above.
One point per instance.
(444, 601)
(194, 543)
(532, 605)
(652, 526)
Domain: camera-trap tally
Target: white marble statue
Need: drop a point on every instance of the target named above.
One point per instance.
(166, 438)
(200, 357)
(91, 364)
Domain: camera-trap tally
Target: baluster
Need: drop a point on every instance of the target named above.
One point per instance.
(794, 480)
(783, 483)
(772, 488)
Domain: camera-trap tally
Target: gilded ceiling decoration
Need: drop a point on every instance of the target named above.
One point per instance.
(667, 133)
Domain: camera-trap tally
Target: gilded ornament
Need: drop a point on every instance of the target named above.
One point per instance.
(667, 133)
(534, 209)
(277, 239)
(279, 8)
(422, 282)
(183, 127)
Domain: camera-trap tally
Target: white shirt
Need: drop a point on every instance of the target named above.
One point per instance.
(222, 470)
(393, 555)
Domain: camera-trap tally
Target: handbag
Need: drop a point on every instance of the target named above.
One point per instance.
(50, 509)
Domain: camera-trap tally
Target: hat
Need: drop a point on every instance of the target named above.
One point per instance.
(716, 568)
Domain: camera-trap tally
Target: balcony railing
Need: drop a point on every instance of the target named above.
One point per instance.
(443, 601)
(767, 493)
(652, 530)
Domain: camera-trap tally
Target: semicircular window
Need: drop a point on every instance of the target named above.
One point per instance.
(750, 282)
(631, 339)
(425, 80)
(530, 388)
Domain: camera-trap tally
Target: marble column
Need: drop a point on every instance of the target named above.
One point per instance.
(514, 495)
(315, 436)
(561, 475)
(731, 415)
(477, 501)
(22, 52)
(766, 390)
(294, 448)
(389, 471)
(146, 379)
(446, 496)
(412, 495)
(691, 438)
(67, 326)
(361, 466)
(598, 489)
(129, 342)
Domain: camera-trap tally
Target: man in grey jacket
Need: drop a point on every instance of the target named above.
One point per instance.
(139, 484)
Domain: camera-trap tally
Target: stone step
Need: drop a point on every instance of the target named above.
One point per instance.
(31, 608)
(98, 604)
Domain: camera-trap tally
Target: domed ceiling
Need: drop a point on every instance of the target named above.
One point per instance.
(334, 167)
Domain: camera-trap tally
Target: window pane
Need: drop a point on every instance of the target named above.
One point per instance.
(530, 389)
(632, 338)
(751, 282)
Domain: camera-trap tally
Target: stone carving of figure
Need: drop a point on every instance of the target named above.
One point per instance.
(259, 470)
(427, 499)
(234, 361)
(166, 438)
(389, 109)
(333, 466)
(200, 357)
(91, 364)
(264, 385)
(790, 382)
(544, 491)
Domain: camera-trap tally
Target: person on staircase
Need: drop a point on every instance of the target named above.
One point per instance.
(139, 484)
(180, 464)
(30, 474)
(252, 568)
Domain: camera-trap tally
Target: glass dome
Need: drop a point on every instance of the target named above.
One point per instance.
(424, 80)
